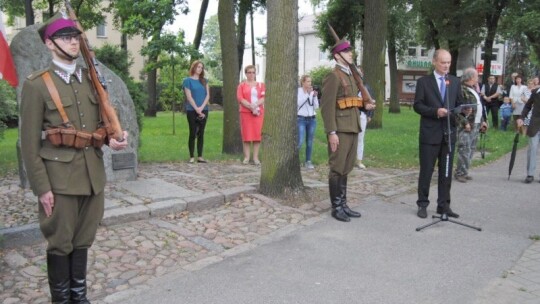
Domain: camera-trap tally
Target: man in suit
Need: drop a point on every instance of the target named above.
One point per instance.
(533, 131)
(342, 125)
(490, 94)
(66, 173)
(435, 94)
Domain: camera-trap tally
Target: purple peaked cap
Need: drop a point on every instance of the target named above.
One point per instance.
(341, 46)
(56, 23)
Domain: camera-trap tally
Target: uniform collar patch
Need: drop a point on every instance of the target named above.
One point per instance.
(67, 77)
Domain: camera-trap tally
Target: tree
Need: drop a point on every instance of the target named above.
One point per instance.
(147, 18)
(521, 20)
(245, 7)
(374, 51)
(449, 24)
(232, 142)
(200, 23)
(89, 12)
(280, 173)
(493, 10)
(400, 33)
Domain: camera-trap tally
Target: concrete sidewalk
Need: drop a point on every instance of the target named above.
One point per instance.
(380, 258)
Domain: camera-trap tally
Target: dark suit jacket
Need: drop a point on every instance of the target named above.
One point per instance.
(533, 104)
(428, 100)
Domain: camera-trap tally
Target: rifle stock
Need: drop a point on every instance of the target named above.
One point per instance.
(108, 114)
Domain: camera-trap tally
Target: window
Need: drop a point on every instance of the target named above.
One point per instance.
(424, 52)
(323, 55)
(100, 30)
(412, 50)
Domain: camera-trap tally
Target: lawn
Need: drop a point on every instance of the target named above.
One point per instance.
(393, 146)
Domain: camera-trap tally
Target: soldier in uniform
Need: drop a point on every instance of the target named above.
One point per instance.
(340, 111)
(68, 177)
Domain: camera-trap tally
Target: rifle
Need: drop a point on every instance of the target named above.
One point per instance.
(108, 114)
(355, 72)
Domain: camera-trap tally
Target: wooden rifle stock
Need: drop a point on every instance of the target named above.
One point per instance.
(108, 114)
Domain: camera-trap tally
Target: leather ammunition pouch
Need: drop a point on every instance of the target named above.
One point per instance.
(350, 102)
(69, 137)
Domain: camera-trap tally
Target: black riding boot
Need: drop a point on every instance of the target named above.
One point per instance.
(335, 197)
(58, 272)
(343, 188)
(78, 259)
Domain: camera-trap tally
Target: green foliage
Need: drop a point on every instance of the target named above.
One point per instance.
(346, 17)
(317, 75)
(211, 48)
(8, 106)
(89, 12)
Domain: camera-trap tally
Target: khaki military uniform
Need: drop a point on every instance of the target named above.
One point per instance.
(75, 176)
(345, 122)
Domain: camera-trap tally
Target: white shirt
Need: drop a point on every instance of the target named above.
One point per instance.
(515, 94)
(478, 116)
(307, 103)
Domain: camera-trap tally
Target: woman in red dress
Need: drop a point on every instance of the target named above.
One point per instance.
(250, 95)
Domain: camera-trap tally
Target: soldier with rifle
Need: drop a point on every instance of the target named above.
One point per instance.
(64, 123)
(340, 106)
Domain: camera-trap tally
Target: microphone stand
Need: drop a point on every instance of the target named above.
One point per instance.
(444, 216)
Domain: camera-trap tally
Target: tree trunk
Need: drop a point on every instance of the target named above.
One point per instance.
(152, 91)
(280, 173)
(392, 63)
(232, 141)
(492, 20)
(200, 24)
(243, 10)
(29, 12)
(374, 51)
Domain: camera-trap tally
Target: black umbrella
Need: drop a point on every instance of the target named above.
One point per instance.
(513, 155)
(483, 137)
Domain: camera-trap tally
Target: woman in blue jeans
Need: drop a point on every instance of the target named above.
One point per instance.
(307, 122)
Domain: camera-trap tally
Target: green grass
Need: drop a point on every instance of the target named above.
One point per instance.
(393, 146)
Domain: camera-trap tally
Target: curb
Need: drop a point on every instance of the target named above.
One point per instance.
(30, 234)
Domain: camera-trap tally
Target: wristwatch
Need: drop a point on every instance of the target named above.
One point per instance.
(332, 133)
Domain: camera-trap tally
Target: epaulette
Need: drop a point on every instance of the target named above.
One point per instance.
(36, 74)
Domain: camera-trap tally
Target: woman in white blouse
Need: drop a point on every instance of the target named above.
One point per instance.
(517, 95)
(307, 122)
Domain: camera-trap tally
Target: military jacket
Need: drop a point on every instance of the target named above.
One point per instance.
(335, 119)
(63, 170)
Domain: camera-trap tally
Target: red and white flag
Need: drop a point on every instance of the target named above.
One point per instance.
(7, 68)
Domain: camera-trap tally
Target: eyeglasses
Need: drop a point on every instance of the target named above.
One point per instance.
(250, 72)
(69, 38)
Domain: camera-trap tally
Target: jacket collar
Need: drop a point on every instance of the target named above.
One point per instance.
(66, 77)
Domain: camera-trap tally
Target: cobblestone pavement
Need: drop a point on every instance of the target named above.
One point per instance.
(129, 254)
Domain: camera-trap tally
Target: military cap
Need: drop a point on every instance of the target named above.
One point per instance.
(57, 26)
(341, 44)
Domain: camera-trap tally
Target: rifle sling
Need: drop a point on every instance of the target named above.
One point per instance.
(55, 97)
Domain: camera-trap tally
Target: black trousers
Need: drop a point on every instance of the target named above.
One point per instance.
(429, 154)
(196, 131)
(494, 109)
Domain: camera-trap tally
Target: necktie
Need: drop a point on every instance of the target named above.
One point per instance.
(443, 88)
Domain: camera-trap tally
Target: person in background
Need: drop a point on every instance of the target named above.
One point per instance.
(518, 97)
(432, 94)
(533, 132)
(308, 102)
(506, 110)
(67, 176)
(197, 95)
(490, 94)
(250, 96)
(469, 124)
(532, 84)
(365, 117)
